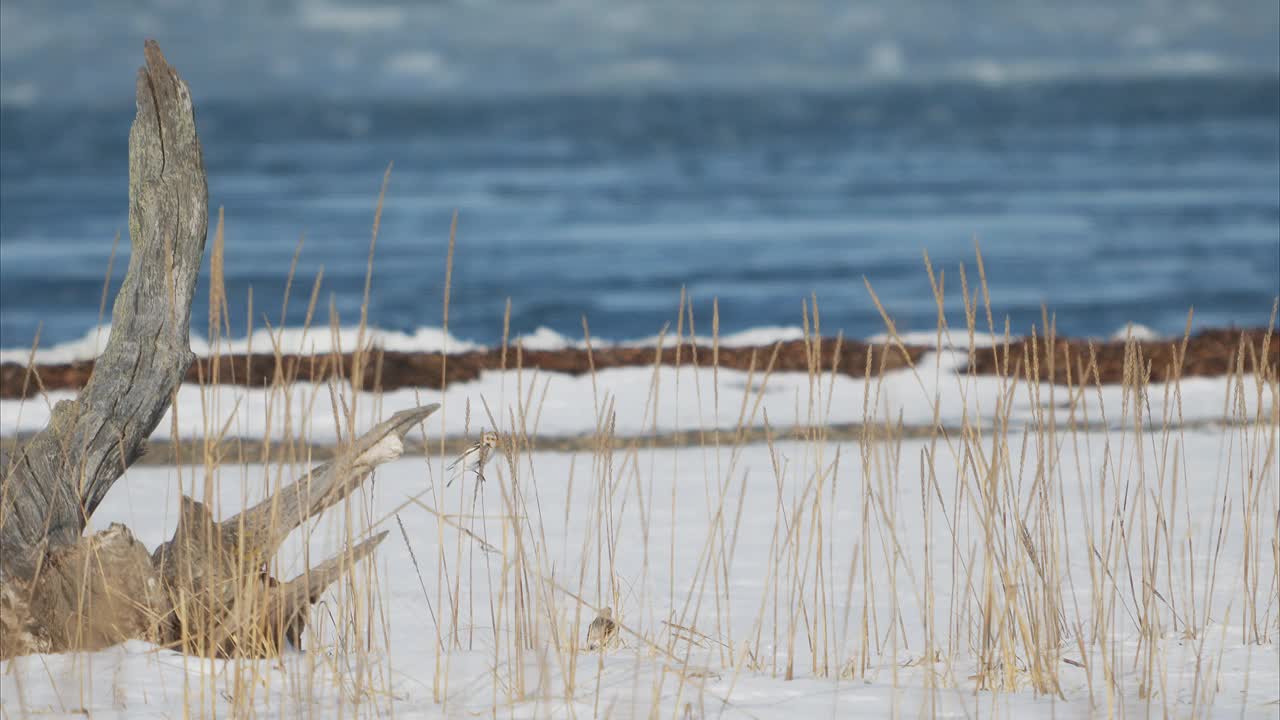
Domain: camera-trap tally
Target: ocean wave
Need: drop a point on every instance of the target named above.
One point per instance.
(346, 47)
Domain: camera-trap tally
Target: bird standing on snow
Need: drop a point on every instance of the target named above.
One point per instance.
(475, 457)
(602, 631)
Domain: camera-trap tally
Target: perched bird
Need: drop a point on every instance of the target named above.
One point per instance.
(475, 457)
(602, 631)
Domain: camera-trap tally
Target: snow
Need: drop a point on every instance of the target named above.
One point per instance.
(321, 340)
(1137, 331)
(929, 338)
(545, 338)
(659, 512)
(644, 401)
(865, 569)
(291, 341)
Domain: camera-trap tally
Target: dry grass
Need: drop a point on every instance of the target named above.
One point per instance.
(999, 542)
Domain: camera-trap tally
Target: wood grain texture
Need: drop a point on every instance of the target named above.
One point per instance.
(61, 475)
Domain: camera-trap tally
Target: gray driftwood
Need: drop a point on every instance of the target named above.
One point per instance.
(205, 590)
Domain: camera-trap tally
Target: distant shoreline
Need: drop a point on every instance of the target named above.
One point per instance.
(1208, 353)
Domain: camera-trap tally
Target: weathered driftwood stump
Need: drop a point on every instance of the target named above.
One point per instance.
(205, 590)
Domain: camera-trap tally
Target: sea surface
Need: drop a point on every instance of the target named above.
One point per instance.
(1108, 200)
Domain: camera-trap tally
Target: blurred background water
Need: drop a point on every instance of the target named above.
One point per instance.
(1117, 164)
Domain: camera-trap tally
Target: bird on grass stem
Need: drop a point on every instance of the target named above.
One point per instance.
(474, 458)
(602, 631)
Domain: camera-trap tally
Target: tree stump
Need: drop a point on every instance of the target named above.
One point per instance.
(203, 591)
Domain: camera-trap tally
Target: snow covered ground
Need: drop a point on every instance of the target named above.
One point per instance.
(865, 571)
(642, 401)
(1036, 553)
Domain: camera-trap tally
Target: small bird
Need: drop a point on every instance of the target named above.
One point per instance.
(476, 457)
(602, 631)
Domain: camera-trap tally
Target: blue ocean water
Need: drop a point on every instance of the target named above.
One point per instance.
(1108, 199)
